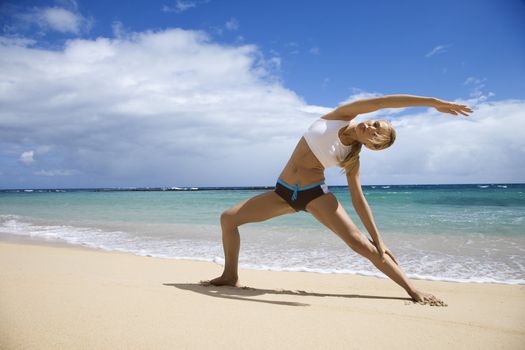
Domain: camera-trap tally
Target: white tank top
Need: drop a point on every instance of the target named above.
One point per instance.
(323, 139)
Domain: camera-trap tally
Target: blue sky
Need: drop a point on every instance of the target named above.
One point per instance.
(82, 79)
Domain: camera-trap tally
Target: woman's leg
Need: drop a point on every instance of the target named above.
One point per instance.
(259, 208)
(331, 213)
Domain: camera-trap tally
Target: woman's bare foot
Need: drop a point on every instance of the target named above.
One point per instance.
(426, 298)
(222, 281)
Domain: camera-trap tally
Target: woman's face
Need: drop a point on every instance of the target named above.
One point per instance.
(367, 130)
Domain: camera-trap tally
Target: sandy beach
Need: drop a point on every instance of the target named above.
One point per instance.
(62, 297)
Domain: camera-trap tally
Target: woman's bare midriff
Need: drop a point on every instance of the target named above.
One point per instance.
(303, 167)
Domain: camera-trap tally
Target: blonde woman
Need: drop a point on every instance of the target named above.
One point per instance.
(333, 140)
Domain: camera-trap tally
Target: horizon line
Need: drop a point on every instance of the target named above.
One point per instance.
(196, 188)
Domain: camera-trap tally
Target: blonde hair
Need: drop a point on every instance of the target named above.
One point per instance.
(380, 141)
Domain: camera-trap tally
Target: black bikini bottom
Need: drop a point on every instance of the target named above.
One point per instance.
(299, 197)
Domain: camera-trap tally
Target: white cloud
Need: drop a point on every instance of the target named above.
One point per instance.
(474, 81)
(166, 108)
(118, 29)
(55, 172)
(437, 50)
(476, 86)
(275, 61)
(22, 42)
(27, 157)
(182, 5)
(43, 149)
(174, 108)
(232, 24)
(358, 94)
(438, 148)
(59, 19)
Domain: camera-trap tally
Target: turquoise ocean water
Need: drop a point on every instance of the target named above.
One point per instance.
(463, 233)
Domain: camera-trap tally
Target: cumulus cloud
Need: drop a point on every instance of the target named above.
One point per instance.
(437, 50)
(359, 94)
(437, 148)
(27, 157)
(60, 19)
(175, 108)
(157, 108)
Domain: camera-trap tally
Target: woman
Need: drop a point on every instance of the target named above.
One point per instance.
(333, 140)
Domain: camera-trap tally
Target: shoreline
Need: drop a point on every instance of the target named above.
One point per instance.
(63, 297)
(19, 239)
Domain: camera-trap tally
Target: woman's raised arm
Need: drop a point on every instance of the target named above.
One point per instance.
(351, 110)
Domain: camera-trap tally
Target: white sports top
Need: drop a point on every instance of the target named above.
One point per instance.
(323, 139)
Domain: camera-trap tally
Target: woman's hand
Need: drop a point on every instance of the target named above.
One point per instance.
(452, 108)
(382, 250)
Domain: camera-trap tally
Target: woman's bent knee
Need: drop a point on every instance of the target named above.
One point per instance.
(228, 218)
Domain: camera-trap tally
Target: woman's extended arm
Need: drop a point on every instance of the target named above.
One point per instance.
(363, 211)
(351, 110)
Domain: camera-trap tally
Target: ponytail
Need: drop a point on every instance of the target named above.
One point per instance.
(352, 159)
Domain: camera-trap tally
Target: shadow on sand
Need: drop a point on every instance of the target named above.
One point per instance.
(247, 293)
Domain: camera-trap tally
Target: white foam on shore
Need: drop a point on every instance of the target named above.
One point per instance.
(259, 255)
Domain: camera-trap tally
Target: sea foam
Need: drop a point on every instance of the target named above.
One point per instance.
(258, 253)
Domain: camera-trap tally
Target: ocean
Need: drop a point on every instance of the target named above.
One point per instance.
(460, 233)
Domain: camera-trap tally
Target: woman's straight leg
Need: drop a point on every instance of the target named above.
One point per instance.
(327, 210)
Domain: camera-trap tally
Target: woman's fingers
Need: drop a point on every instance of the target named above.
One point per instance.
(389, 253)
(464, 110)
(454, 109)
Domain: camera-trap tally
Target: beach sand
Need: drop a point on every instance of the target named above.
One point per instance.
(62, 297)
